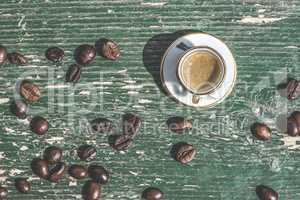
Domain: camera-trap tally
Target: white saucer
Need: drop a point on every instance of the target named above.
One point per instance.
(168, 70)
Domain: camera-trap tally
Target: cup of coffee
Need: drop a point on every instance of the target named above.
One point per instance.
(200, 70)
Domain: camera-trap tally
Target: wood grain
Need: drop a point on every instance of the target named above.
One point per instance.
(265, 39)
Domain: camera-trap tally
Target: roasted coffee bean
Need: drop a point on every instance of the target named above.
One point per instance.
(22, 185)
(261, 131)
(152, 193)
(55, 54)
(293, 89)
(131, 124)
(39, 125)
(101, 125)
(84, 54)
(40, 168)
(78, 171)
(30, 91)
(179, 124)
(120, 142)
(17, 58)
(3, 54)
(57, 172)
(183, 152)
(53, 154)
(293, 124)
(266, 193)
(91, 191)
(86, 152)
(108, 49)
(73, 74)
(3, 193)
(19, 108)
(98, 174)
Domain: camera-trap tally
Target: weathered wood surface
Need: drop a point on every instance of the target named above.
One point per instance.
(264, 37)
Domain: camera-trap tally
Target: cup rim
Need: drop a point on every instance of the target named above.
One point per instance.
(186, 53)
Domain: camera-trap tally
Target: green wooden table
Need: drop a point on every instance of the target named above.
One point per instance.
(264, 37)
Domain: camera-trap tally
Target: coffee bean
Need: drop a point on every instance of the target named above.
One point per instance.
(183, 152)
(108, 49)
(19, 108)
(293, 89)
(131, 124)
(266, 193)
(22, 185)
(120, 142)
(293, 124)
(30, 91)
(3, 193)
(101, 125)
(179, 124)
(39, 125)
(40, 168)
(98, 174)
(78, 171)
(55, 54)
(84, 54)
(152, 193)
(57, 172)
(261, 131)
(53, 154)
(86, 152)
(73, 74)
(3, 54)
(17, 58)
(91, 191)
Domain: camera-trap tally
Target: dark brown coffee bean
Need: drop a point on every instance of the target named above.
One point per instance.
(84, 54)
(57, 172)
(19, 108)
(183, 152)
(108, 49)
(101, 125)
(98, 174)
(91, 191)
(3, 193)
(53, 154)
(78, 171)
(73, 74)
(261, 131)
(40, 168)
(30, 91)
(293, 89)
(3, 54)
(266, 193)
(293, 124)
(179, 124)
(22, 185)
(39, 125)
(55, 54)
(120, 142)
(17, 58)
(152, 193)
(131, 124)
(86, 152)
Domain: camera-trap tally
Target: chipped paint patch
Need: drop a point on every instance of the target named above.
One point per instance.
(143, 101)
(4, 100)
(58, 86)
(260, 20)
(24, 148)
(291, 142)
(54, 139)
(85, 93)
(155, 4)
(14, 172)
